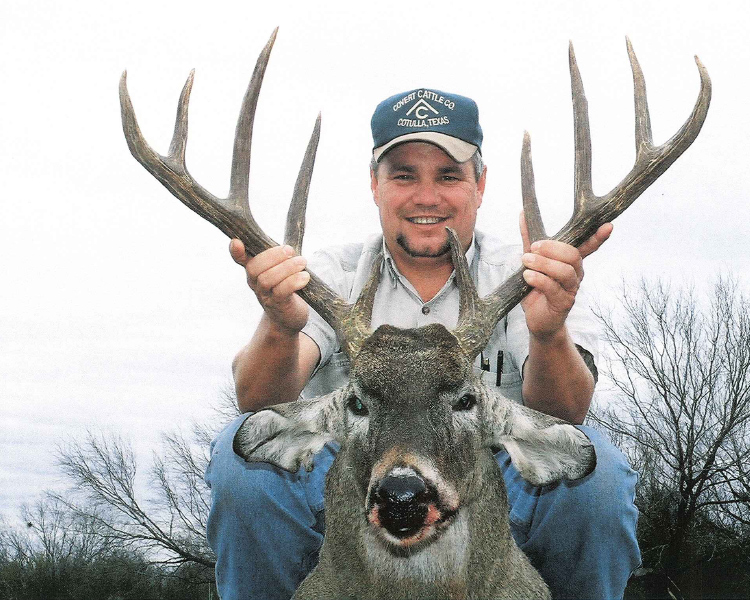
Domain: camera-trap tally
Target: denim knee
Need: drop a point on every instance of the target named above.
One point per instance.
(250, 490)
(581, 535)
(611, 488)
(265, 524)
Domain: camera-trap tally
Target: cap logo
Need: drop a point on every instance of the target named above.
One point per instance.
(422, 113)
(420, 109)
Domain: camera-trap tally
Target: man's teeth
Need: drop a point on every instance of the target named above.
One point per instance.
(425, 220)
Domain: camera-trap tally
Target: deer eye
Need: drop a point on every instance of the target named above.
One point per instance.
(465, 402)
(357, 406)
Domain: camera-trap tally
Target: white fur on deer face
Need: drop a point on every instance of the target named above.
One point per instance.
(415, 423)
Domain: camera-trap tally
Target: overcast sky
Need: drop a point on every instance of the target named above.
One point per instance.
(121, 310)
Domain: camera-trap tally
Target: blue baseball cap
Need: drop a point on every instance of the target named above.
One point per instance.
(447, 120)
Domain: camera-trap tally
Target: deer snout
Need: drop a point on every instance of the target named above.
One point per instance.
(403, 504)
(407, 507)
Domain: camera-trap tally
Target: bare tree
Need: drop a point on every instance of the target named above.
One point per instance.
(58, 553)
(52, 534)
(60, 535)
(48, 550)
(681, 369)
(170, 524)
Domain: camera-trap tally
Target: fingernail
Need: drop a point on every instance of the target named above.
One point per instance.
(529, 257)
(288, 250)
(536, 245)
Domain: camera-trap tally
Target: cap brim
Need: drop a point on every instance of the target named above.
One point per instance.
(458, 150)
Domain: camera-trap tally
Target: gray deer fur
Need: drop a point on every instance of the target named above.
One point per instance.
(415, 384)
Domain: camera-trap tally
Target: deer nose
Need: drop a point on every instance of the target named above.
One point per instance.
(403, 503)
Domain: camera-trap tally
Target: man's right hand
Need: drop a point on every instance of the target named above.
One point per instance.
(275, 275)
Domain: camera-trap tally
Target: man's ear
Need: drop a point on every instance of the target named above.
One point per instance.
(481, 185)
(290, 435)
(374, 186)
(543, 449)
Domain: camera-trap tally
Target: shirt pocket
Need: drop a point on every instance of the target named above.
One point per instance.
(510, 384)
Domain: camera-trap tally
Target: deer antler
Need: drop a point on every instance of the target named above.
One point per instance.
(478, 317)
(232, 215)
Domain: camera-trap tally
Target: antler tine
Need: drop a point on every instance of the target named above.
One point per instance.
(583, 190)
(643, 137)
(355, 327)
(179, 138)
(469, 299)
(470, 305)
(172, 173)
(240, 180)
(531, 214)
(295, 220)
(138, 146)
(474, 332)
(590, 211)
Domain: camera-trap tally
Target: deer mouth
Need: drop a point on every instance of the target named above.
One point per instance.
(410, 536)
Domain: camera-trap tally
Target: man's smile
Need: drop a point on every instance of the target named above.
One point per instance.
(426, 220)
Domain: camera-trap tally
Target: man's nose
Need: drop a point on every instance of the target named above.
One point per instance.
(427, 194)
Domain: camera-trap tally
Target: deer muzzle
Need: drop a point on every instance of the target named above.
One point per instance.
(406, 508)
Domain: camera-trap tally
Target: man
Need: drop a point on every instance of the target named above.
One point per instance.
(266, 526)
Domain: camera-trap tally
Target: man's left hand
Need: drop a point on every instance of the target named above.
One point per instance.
(555, 271)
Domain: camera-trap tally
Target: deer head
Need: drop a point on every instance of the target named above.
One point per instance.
(413, 419)
(412, 422)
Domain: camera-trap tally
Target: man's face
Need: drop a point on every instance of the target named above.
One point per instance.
(420, 191)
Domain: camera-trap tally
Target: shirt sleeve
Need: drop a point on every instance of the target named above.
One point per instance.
(329, 266)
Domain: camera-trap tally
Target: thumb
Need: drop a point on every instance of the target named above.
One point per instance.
(592, 244)
(237, 252)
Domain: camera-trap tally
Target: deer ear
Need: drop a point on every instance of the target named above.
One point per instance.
(543, 449)
(290, 435)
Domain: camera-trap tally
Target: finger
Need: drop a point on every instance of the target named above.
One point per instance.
(558, 299)
(524, 232)
(595, 241)
(565, 274)
(559, 251)
(267, 281)
(237, 252)
(293, 283)
(268, 259)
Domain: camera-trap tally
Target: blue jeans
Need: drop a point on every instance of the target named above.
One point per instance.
(266, 525)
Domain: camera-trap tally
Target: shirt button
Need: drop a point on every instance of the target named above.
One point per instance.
(425, 310)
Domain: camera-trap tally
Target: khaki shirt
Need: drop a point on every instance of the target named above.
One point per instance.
(346, 269)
